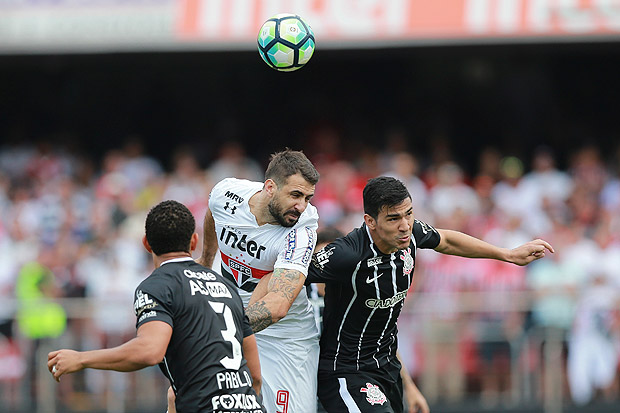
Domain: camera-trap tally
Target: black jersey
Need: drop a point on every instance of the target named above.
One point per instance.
(204, 360)
(364, 294)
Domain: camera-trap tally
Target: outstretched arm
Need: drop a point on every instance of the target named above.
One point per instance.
(282, 289)
(209, 241)
(458, 243)
(146, 349)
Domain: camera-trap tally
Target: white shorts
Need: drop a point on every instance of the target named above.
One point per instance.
(289, 373)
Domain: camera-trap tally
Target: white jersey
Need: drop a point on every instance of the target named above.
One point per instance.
(249, 251)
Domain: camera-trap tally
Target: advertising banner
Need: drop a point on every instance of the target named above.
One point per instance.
(142, 25)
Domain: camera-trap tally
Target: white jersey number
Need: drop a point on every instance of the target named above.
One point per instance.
(229, 335)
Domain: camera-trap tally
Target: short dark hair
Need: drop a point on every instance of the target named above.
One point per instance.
(289, 162)
(328, 234)
(169, 227)
(381, 192)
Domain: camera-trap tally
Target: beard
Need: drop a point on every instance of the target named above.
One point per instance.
(286, 219)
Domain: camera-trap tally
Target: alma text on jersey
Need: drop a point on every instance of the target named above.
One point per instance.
(233, 196)
(233, 380)
(235, 401)
(251, 247)
(214, 289)
(387, 302)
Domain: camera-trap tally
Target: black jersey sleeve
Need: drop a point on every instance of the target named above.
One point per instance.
(153, 301)
(333, 263)
(247, 330)
(425, 235)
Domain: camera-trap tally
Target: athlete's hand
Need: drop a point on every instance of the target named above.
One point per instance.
(414, 401)
(529, 252)
(61, 362)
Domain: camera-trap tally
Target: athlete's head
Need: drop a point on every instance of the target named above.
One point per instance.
(169, 227)
(326, 235)
(289, 180)
(388, 213)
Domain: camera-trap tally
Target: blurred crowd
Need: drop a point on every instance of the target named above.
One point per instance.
(71, 227)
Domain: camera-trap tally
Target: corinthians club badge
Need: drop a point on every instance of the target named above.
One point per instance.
(408, 261)
(374, 395)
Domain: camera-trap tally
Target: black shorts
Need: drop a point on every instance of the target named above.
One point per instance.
(365, 392)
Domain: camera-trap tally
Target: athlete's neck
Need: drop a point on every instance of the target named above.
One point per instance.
(159, 259)
(259, 207)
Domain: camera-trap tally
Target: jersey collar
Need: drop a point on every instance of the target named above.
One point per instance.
(182, 259)
(368, 232)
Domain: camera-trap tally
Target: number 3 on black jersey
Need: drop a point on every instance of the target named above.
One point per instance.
(229, 335)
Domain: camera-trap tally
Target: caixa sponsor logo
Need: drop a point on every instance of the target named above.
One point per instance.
(236, 401)
(386, 302)
(147, 315)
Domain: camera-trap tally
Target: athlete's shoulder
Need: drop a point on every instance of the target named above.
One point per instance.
(235, 189)
(309, 218)
(425, 235)
(356, 240)
(350, 247)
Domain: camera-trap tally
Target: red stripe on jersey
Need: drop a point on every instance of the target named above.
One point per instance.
(237, 267)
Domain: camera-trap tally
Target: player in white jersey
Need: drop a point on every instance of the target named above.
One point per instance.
(264, 227)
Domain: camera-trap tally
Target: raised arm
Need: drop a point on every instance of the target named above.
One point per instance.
(282, 289)
(458, 243)
(209, 241)
(146, 349)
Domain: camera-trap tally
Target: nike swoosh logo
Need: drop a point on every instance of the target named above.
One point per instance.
(369, 280)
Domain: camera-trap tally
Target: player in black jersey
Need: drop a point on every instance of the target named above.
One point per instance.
(367, 274)
(190, 321)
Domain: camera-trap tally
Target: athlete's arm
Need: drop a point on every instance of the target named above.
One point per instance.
(209, 241)
(282, 289)
(250, 352)
(414, 400)
(172, 407)
(458, 243)
(146, 349)
(262, 288)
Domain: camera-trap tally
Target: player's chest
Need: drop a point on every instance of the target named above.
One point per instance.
(252, 245)
(386, 274)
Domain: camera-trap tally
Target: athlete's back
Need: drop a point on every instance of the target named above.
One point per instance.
(204, 360)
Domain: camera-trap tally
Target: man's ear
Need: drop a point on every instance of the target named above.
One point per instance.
(370, 222)
(270, 187)
(146, 244)
(193, 243)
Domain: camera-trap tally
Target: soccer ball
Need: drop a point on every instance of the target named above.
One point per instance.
(285, 42)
